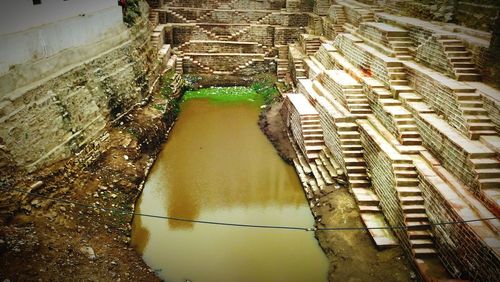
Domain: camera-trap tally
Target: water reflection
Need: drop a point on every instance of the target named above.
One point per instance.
(217, 165)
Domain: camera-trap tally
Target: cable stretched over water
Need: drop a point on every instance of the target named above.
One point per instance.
(233, 224)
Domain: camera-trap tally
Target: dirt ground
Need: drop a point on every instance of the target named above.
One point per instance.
(352, 254)
(73, 240)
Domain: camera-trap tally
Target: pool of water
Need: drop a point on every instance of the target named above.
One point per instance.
(217, 165)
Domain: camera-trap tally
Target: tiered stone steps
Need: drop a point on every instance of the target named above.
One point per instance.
(310, 44)
(179, 65)
(477, 119)
(305, 125)
(396, 180)
(264, 19)
(348, 91)
(298, 64)
(405, 124)
(459, 58)
(336, 13)
(313, 135)
(471, 161)
(412, 204)
(154, 18)
(282, 69)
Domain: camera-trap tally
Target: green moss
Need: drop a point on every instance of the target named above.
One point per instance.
(225, 94)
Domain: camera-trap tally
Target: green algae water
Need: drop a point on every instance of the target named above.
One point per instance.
(218, 166)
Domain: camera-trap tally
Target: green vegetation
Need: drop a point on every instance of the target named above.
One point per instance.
(224, 94)
(264, 85)
(261, 91)
(131, 12)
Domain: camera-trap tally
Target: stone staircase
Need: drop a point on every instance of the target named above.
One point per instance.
(401, 46)
(311, 45)
(154, 18)
(459, 58)
(264, 19)
(282, 69)
(412, 204)
(477, 120)
(321, 7)
(181, 17)
(313, 135)
(204, 16)
(338, 14)
(305, 125)
(488, 172)
(348, 91)
(179, 65)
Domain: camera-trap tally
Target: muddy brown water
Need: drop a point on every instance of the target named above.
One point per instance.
(217, 165)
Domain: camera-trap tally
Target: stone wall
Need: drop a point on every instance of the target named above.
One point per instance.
(461, 249)
(478, 14)
(55, 119)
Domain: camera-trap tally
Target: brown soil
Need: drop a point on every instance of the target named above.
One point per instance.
(272, 124)
(352, 254)
(47, 240)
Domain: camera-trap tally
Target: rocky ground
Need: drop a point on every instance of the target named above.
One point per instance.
(352, 254)
(73, 238)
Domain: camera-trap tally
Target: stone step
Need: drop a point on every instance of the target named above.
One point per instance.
(313, 142)
(312, 131)
(404, 121)
(350, 141)
(419, 234)
(485, 163)
(466, 70)
(468, 77)
(358, 176)
(415, 217)
(348, 134)
(461, 59)
(474, 111)
(398, 75)
(463, 65)
(359, 183)
(454, 48)
(312, 136)
(460, 54)
(412, 200)
(398, 82)
(410, 134)
(421, 243)
(468, 96)
(407, 127)
(418, 225)
(354, 162)
(356, 168)
(407, 182)
(413, 209)
(471, 103)
(474, 118)
(410, 97)
(489, 183)
(487, 173)
(347, 126)
(402, 166)
(405, 173)
(369, 209)
(365, 196)
(479, 126)
(412, 141)
(353, 154)
(347, 148)
(408, 191)
(424, 252)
